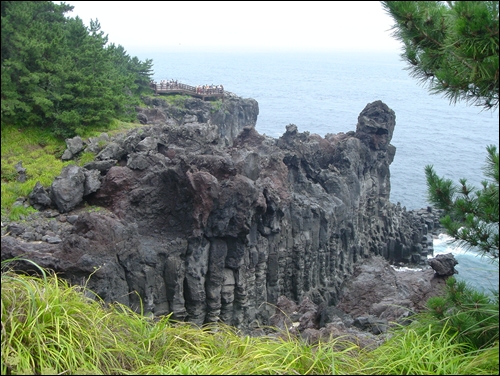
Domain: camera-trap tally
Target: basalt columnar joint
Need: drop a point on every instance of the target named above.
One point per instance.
(207, 219)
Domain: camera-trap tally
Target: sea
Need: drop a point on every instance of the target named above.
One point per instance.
(324, 92)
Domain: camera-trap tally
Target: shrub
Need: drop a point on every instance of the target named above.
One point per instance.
(413, 351)
(471, 315)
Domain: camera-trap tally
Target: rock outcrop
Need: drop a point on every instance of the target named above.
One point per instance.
(377, 296)
(202, 217)
(444, 264)
(377, 289)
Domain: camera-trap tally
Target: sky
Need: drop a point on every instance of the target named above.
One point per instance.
(241, 25)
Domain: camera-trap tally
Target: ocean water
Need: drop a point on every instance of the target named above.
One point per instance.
(325, 92)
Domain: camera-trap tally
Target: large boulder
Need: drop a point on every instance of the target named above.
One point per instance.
(74, 146)
(382, 291)
(96, 144)
(376, 125)
(444, 264)
(92, 181)
(102, 166)
(112, 151)
(67, 189)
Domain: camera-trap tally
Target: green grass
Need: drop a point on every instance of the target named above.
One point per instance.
(429, 353)
(470, 315)
(177, 100)
(50, 327)
(216, 106)
(40, 154)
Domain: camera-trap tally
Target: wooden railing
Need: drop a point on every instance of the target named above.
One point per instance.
(204, 91)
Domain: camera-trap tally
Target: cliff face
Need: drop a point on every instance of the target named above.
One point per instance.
(209, 220)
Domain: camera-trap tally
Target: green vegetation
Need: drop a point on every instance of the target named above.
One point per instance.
(177, 100)
(60, 75)
(470, 315)
(50, 327)
(427, 352)
(454, 47)
(40, 152)
(59, 79)
(217, 106)
(471, 214)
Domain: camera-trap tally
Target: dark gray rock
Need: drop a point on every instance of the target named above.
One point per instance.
(131, 141)
(376, 125)
(68, 188)
(51, 239)
(67, 155)
(143, 119)
(74, 145)
(96, 144)
(444, 264)
(92, 181)
(148, 144)
(21, 172)
(28, 236)
(138, 161)
(39, 198)
(371, 323)
(379, 326)
(72, 219)
(308, 311)
(112, 151)
(50, 214)
(94, 247)
(15, 229)
(101, 166)
(378, 289)
(331, 314)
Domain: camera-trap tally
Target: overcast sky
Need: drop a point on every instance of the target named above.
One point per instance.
(241, 25)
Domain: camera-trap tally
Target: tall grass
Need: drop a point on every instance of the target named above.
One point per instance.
(50, 327)
(469, 314)
(429, 353)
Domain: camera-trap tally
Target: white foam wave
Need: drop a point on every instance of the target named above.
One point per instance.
(444, 244)
(406, 269)
(442, 238)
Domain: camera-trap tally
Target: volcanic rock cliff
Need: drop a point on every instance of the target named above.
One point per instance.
(207, 219)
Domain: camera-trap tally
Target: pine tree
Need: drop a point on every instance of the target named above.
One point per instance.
(453, 47)
(57, 73)
(471, 214)
(31, 36)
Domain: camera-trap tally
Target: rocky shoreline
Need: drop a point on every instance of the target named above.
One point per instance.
(210, 221)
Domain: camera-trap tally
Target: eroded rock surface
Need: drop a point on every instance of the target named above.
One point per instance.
(378, 289)
(206, 219)
(443, 264)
